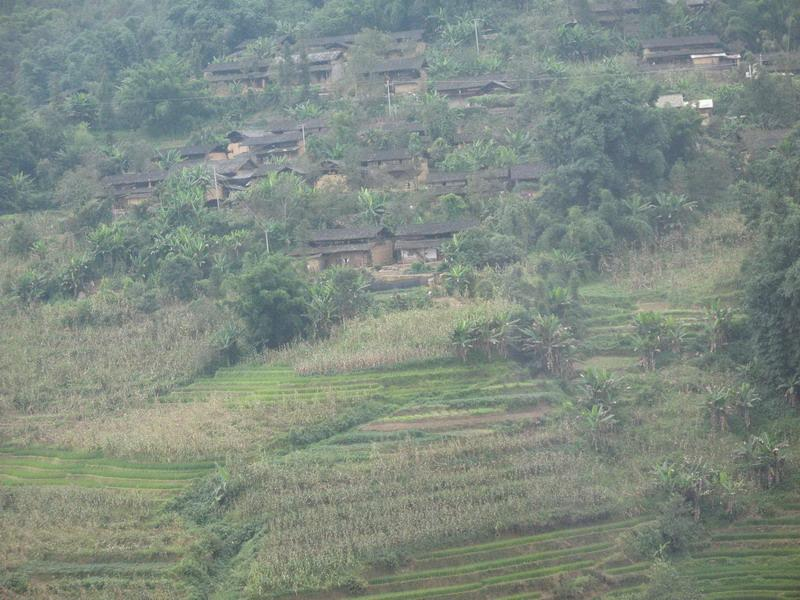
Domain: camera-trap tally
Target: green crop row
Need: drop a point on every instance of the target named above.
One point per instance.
(489, 565)
(530, 539)
(517, 577)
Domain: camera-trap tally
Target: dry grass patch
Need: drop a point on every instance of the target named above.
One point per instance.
(174, 432)
(47, 365)
(702, 261)
(383, 341)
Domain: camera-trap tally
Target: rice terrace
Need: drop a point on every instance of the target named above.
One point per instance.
(386, 300)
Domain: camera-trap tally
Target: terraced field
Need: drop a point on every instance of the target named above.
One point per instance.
(108, 537)
(514, 567)
(53, 467)
(436, 398)
(609, 326)
(750, 559)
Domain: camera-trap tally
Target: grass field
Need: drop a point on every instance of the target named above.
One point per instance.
(51, 467)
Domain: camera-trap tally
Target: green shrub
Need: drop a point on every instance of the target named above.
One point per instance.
(178, 276)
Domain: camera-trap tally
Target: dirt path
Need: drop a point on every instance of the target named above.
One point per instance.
(444, 423)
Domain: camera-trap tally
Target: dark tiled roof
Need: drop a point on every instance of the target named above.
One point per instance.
(394, 65)
(686, 52)
(418, 244)
(346, 234)
(681, 42)
(292, 125)
(241, 66)
(231, 166)
(329, 41)
(333, 249)
(383, 155)
(131, 178)
(454, 85)
(411, 35)
(436, 229)
(200, 150)
(448, 176)
(263, 170)
(527, 172)
(273, 139)
(625, 7)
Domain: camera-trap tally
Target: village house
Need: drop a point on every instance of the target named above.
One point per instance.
(423, 242)
(250, 74)
(323, 66)
(705, 106)
(203, 152)
(266, 144)
(398, 163)
(403, 75)
(457, 91)
(614, 13)
(133, 189)
(229, 175)
(697, 50)
(306, 127)
(345, 42)
(527, 174)
(442, 183)
(357, 247)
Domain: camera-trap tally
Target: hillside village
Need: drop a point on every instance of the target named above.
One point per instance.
(394, 300)
(322, 64)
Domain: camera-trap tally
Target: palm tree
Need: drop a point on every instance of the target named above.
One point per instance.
(636, 221)
(718, 405)
(550, 342)
(791, 390)
(730, 487)
(672, 212)
(648, 338)
(765, 459)
(718, 323)
(459, 279)
(518, 140)
(559, 300)
(168, 159)
(600, 386)
(674, 334)
(745, 399)
(373, 206)
(464, 338)
(598, 420)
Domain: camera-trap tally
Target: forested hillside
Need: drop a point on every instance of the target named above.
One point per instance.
(400, 299)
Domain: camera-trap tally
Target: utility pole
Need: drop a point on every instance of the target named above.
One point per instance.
(303, 130)
(266, 237)
(477, 45)
(389, 93)
(216, 186)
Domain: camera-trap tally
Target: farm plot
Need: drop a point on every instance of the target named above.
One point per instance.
(749, 559)
(51, 467)
(514, 567)
(752, 559)
(437, 397)
(608, 337)
(81, 525)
